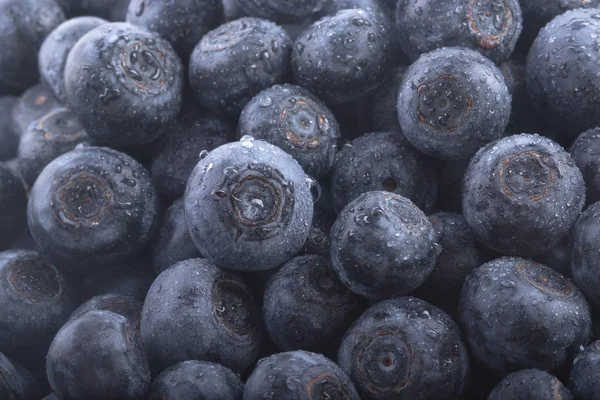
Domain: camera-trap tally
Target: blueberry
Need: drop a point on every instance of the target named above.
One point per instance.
(558, 258)
(214, 313)
(98, 355)
(449, 109)
(233, 10)
(318, 237)
(522, 195)
(382, 245)
(174, 242)
(45, 139)
(248, 206)
(112, 10)
(405, 348)
(460, 255)
(126, 306)
(299, 375)
(530, 384)
(584, 250)
(555, 73)
(282, 11)
(582, 381)
(13, 205)
(124, 83)
(382, 161)
(16, 383)
(24, 25)
(306, 306)
(90, 208)
(36, 102)
(236, 61)
(344, 56)
(8, 137)
(491, 27)
(197, 380)
(36, 298)
(190, 134)
(181, 22)
(519, 314)
(296, 121)
(381, 111)
(55, 50)
(585, 150)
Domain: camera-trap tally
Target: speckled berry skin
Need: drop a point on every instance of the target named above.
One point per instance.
(585, 248)
(234, 62)
(519, 314)
(563, 83)
(344, 56)
(449, 109)
(405, 348)
(55, 49)
(382, 245)
(282, 11)
(530, 384)
(383, 161)
(181, 22)
(248, 206)
(522, 195)
(90, 208)
(585, 151)
(582, 381)
(296, 121)
(299, 375)
(490, 27)
(124, 83)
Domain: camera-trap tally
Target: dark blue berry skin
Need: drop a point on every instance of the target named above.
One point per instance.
(405, 348)
(248, 206)
(36, 298)
(124, 83)
(381, 110)
(173, 243)
(318, 237)
(237, 60)
(55, 50)
(518, 314)
(586, 154)
(522, 195)
(214, 313)
(16, 383)
(233, 10)
(189, 135)
(584, 253)
(25, 24)
(343, 56)
(91, 208)
(555, 73)
(98, 355)
(193, 380)
(13, 206)
(583, 382)
(8, 137)
(460, 255)
(45, 139)
(490, 27)
(33, 104)
(298, 375)
(126, 306)
(181, 22)
(296, 121)
(307, 307)
(282, 11)
(382, 245)
(449, 109)
(530, 384)
(112, 10)
(127, 278)
(558, 258)
(383, 161)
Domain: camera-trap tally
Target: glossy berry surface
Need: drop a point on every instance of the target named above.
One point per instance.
(530, 384)
(584, 253)
(585, 150)
(282, 11)
(581, 381)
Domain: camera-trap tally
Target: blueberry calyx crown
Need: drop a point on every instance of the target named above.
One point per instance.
(226, 36)
(34, 280)
(489, 20)
(60, 126)
(232, 305)
(83, 200)
(528, 176)
(544, 278)
(304, 125)
(443, 102)
(144, 67)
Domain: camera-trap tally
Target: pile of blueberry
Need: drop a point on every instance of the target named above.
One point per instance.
(299, 199)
